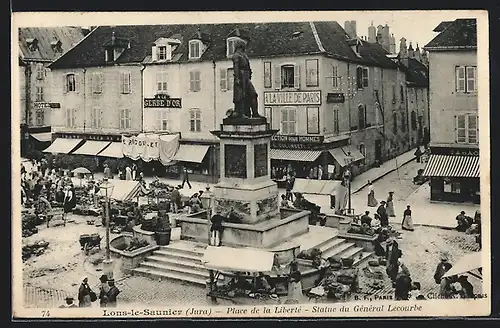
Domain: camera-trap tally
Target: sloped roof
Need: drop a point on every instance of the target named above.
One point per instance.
(417, 74)
(461, 34)
(264, 40)
(68, 36)
(442, 26)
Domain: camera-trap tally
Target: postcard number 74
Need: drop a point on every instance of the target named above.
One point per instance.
(45, 314)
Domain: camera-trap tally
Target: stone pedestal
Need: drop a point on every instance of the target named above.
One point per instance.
(245, 184)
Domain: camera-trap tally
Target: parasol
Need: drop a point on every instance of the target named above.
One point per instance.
(469, 263)
(81, 171)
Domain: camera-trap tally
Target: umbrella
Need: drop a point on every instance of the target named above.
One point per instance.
(81, 171)
(467, 264)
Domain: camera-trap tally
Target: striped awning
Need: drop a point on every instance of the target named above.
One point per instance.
(295, 155)
(191, 153)
(452, 166)
(62, 146)
(114, 150)
(91, 147)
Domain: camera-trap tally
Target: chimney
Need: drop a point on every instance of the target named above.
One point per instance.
(372, 34)
(411, 53)
(417, 54)
(392, 45)
(349, 29)
(386, 42)
(380, 34)
(353, 29)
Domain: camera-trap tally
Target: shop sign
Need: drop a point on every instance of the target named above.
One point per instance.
(140, 142)
(455, 151)
(298, 139)
(335, 98)
(279, 98)
(285, 145)
(43, 105)
(162, 102)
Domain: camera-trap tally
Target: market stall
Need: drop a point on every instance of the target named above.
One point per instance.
(317, 190)
(243, 275)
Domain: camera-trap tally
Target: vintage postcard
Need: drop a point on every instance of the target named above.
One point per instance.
(250, 164)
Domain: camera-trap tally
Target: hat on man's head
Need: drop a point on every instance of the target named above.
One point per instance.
(382, 202)
(69, 298)
(462, 212)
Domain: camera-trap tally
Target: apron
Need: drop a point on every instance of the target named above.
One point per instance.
(407, 223)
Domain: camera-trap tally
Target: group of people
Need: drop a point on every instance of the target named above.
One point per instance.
(108, 293)
(451, 286)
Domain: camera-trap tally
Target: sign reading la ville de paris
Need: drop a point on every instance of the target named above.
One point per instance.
(292, 98)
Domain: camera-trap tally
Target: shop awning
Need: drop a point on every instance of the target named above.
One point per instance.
(295, 155)
(237, 259)
(91, 147)
(125, 190)
(114, 150)
(62, 146)
(469, 263)
(452, 166)
(316, 187)
(341, 155)
(191, 153)
(43, 136)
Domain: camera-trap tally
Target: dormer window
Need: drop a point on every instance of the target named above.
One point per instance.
(162, 53)
(56, 46)
(231, 42)
(32, 44)
(195, 47)
(162, 49)
(109, 55)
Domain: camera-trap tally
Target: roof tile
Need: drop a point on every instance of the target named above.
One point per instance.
(462, 33)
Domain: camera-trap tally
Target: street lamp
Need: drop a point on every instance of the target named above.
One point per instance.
(209, 212)
(106, 190)
(347, 178)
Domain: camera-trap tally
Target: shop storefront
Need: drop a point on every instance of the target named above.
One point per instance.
(454, 174)
(201, 161)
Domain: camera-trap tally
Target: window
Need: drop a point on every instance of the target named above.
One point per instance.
(162, 53)
(365, 77)
(361, 117)
(465, 77)
(161, 82)
(312, 72)
(125, 82)
(109, 55)
(403, 122)
(40, 71)
(289, 76)
(312, 120)
(162, 120)
(97, 81)
(267, 75)
(194, 49)
(230, 43)
(96, 117)
(451, 186)
(70, 83)
(194, 81)
(226, 79)
(466, 129)
(195, 120)
(40, 117)
(401, 94)
(288, 121)
(39, 93)
(336, 127)
(125, 122)
(335, 77)
(70, 117)
(413, 120)
(268, 113)
(394, 123)
(359, 77)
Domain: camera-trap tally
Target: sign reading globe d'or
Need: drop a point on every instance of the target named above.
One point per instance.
(161, 102)
(279, 98)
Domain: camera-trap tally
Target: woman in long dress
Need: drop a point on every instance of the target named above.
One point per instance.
(407, 223)
(390, 205)
(295, 284)
(372, 202)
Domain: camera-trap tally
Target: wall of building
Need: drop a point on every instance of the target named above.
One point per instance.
(22, 93)
(37, 81)
(445, 102)
(418, 102)
(109, 102)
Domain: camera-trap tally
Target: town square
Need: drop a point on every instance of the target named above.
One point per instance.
(267, 163)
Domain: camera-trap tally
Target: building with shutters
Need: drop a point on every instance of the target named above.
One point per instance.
(38, 47)
(331, 93)
(453, 166)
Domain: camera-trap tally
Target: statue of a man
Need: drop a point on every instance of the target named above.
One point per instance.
(244, 94)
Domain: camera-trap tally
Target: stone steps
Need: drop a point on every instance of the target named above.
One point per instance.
(338, 249)
(154, 273)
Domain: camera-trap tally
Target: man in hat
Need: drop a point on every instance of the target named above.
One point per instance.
(467, 288)
(175, 199)
(84, 299)
(382, 213)
(463, 222)
(112, 293)
(104, 289)
(69, 303)
(442, 268)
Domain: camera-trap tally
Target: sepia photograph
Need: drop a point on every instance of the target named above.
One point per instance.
(250, 164)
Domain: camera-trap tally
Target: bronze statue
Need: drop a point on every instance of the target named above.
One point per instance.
(244, 94)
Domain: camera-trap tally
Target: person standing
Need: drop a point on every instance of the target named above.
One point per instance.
(390, 204)
(418, 154)
(69, 303)
(467, 288)
(112, 293)
(107, 171)
(295, 283)
(372, 202)
(320, 172)
(289, 187)
(103, 292)
(216, 229)
(134, 172)
(84, 299)
(442, 267)
(403, 283)
(407, 223)
(185, 177)
(382, 213)
(68, 202)
(128, 173)
(393, 254)
(175, 199)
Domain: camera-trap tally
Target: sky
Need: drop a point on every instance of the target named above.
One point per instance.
(415, 26)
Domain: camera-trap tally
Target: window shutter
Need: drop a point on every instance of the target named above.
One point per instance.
(191, 81)
(198, 80)
(77, 83)
(223, 79)
(154, 53)
(460, 78)
(277, 77)
(129, 82)
(296, 76)
(101, 81)
(65, 83)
